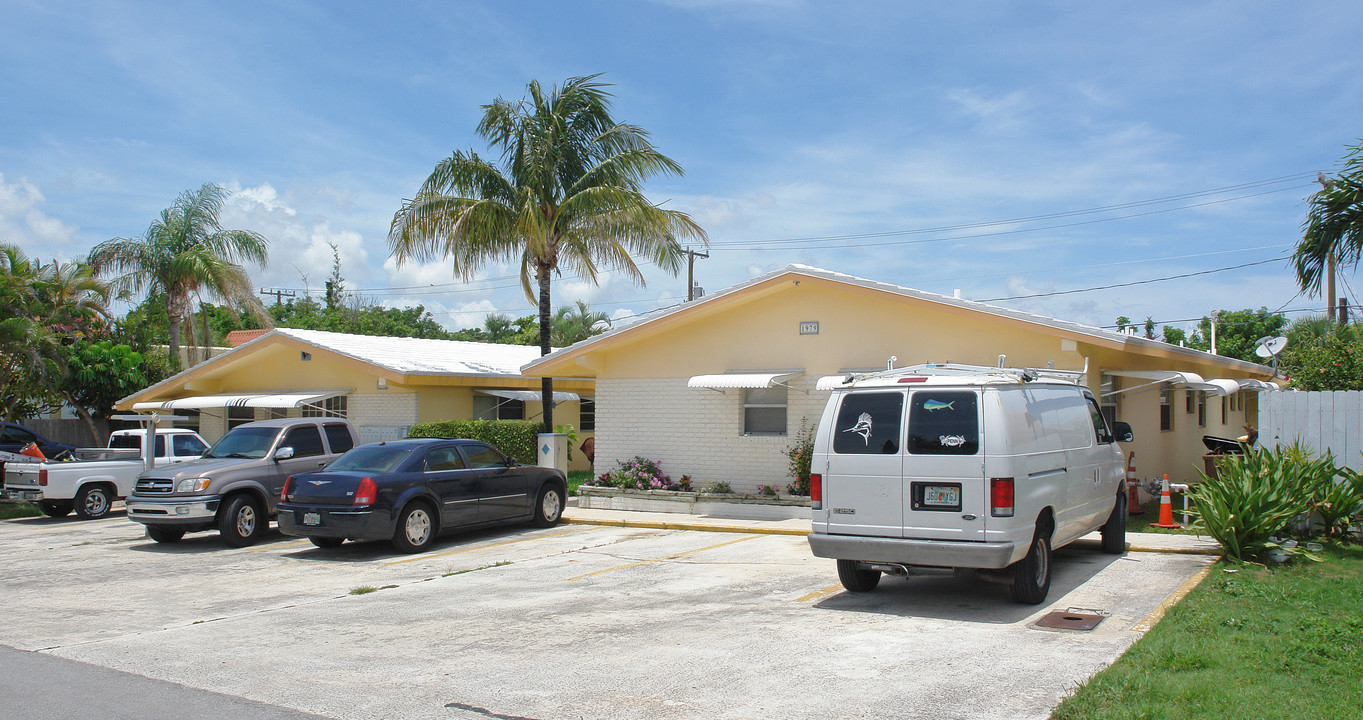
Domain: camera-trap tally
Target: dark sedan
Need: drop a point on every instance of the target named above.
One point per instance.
(410, 491)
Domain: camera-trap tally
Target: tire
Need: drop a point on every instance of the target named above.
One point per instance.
(855, 579)
(242, 522)
(165, 534)
(548, 506)
(1114, 530)
(93, 502)
(327, 542)
(415, 529)
(55, 508)
(1032, 574)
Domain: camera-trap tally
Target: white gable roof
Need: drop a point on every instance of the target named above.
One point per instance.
(417, 356)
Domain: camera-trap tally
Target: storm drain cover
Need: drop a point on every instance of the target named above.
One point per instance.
(1070, 620)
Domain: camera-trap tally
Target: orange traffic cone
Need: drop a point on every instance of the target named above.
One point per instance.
(32, 451)
(1133, 501)
(1166, 507)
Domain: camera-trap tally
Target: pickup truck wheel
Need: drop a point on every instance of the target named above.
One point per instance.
(55, 508)
(163, 534)
(1032, 574)
(93, 502)
(416, 528)
(242, 522)
(323, 542)
(548, 507)
(1114, 530)
(855, 579)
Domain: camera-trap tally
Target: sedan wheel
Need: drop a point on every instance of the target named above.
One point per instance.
(416, 529)
(549, 508)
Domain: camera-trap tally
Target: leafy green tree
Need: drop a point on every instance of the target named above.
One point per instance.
(308, 314)
(1333, 232)
(569, 196)
(1173, 335)
(577, 323)
(100, 373)
(1237, 331)
(1335, 362)
(185, 254)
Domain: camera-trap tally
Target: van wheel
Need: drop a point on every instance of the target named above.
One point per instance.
(855, 579)
(93, 502)
(242, 522)
(55, 508)
(1032, 574)
(1114, 530)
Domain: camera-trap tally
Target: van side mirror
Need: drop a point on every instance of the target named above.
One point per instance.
(283, 453)
(1122, 432)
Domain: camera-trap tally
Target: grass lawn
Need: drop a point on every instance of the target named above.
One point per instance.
(10, 510)
(1252, 644)
(1141, 523)
(578, 477)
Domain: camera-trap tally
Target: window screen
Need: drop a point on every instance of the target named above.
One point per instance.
(868, 424)
(944, 423)
(764, 411)
(304, 440)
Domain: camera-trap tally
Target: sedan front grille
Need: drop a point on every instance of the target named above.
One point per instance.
(155, 486)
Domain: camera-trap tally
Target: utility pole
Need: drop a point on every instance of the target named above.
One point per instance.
(691, 256)
(278, 294)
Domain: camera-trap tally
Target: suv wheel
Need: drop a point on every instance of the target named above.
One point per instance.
(242, 522)
(165, 534)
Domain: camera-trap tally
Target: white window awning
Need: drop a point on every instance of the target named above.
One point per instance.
(530, 395)
(739, 380)
(1169, 376)
(251, 400)
(829, 382)
(1191, 381)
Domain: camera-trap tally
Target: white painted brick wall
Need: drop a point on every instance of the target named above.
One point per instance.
(696, 432)
(381, 409)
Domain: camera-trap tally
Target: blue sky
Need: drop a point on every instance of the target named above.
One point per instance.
(1002, 149)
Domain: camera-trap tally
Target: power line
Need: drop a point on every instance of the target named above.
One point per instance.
(1134, 282)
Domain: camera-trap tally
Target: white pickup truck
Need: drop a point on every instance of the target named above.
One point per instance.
(91, 483)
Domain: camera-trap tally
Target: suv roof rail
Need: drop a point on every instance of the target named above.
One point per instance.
(1023, 374)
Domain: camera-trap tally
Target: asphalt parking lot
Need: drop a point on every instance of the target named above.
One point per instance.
(575, 621)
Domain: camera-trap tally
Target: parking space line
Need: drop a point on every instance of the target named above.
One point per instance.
(661, 559)
(276, 546)
(480, 547)
(819, 593)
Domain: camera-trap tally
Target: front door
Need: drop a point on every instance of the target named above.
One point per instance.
(863, 486)
(504, 488)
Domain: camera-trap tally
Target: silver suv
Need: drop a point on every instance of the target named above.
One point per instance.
(235, 486)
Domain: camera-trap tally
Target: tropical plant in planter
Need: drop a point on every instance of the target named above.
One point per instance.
(1254, 496)
(800, 453)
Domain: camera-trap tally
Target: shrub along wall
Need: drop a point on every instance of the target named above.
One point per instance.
(516, 438)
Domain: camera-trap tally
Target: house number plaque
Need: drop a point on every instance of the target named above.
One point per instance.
(809, 328)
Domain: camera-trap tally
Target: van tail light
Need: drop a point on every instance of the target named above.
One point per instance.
(284, 494)
(1001, 497)
(42, 477)
(365, 494)
(816, 491)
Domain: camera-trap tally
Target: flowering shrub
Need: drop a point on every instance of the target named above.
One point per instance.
(638, 473)
(800, 454)
(768, 490)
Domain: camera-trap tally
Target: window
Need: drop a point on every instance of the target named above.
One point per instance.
(331, 407)
(444, 458)
(338, 437)
(240, 416)
(305, 441)
(1189, 404)
(19, 435)
(491, 407)
(764, 411)
(1201, 409)
(186, 445)
(191, 421)
(586, 418)
(869, 423)
(277, 413)
(1223, 410)
(1108, 399)
(1166, 409)
(482, 456)
(1100, 424)
(944, 423)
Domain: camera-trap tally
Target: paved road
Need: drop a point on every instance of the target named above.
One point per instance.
(569, 622)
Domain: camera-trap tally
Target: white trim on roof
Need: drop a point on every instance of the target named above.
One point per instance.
(739, 380)
(530, 395)
(251, 400)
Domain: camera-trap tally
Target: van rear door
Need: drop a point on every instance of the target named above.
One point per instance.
(944, 494)
(863, 486)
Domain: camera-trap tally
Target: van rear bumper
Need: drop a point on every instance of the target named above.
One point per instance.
(907, 551)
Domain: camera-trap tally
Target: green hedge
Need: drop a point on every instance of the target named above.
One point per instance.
(516, 438)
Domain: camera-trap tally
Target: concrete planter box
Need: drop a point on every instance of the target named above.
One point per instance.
(721, 505)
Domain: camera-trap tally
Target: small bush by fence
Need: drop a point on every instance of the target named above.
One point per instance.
(516, 438)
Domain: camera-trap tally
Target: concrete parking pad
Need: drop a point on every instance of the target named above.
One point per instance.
(567, 622)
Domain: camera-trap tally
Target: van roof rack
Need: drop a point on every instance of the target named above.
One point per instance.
(1024, 374)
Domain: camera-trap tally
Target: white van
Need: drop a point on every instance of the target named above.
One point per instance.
(958, 466)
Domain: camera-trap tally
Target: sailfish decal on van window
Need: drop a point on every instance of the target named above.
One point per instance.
(862, 428)
(932, 405)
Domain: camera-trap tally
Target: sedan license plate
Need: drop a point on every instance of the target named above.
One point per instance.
(941, 496)
(312, 518)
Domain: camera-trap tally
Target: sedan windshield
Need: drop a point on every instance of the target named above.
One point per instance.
(244, 442)
(371, 458)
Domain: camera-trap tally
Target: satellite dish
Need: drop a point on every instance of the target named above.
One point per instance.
(1268, 347)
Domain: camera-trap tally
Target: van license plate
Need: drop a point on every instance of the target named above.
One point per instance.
(312, 518)
(941, 496)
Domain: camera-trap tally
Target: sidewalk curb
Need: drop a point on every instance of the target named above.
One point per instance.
(1214, 552)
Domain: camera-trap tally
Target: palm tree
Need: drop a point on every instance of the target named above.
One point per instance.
(186, 253)
(569, 196)
(577, 323)
(1333, 232)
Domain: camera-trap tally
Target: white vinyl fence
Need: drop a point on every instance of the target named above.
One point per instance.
(1322, 420)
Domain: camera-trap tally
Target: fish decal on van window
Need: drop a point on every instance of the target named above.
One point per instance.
(951, 440)
(934, 405)
(862, 428)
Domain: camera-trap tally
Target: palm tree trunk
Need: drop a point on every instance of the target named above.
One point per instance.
(175, 341)
(546, 384)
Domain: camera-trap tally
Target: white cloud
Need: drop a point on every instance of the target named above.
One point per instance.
(24, 224)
